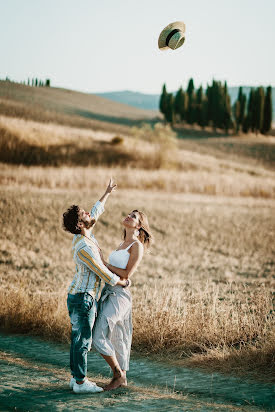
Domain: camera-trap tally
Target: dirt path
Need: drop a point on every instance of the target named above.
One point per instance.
(34, 377)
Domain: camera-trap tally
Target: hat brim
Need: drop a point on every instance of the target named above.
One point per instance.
(165, 32)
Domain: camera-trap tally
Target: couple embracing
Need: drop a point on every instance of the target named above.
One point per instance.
(99, 299)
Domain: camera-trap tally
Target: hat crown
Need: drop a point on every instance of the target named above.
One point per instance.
(176, 40)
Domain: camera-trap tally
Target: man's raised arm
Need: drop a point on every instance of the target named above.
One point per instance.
(98, 207)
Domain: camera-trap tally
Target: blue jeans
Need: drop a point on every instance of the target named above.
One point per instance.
(82, 309)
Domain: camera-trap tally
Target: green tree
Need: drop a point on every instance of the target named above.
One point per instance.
(236, 112)
(48, 83)
(259, 109)
(169, 116)
(190, 115)
(178, 101)
(184, 106)
(250, 122)
(162, 102)
(267, 116)
(198, 106)
(227, 120)
(204, 112)
(239, 109)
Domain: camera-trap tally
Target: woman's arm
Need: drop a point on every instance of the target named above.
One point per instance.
(136, 253)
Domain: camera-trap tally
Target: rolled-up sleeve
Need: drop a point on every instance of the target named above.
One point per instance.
(87, 258)
(97, 210)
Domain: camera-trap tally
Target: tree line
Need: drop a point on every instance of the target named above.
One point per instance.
(34, 82)
(212, 107)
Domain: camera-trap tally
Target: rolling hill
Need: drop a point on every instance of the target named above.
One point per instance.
(68, 107)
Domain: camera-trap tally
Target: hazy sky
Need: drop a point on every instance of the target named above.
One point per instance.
(109, 45)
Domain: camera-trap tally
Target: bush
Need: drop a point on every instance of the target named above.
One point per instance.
(165, 141)
(116, 140)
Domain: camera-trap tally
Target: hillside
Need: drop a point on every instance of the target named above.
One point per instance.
(66, 106)
(151, 101)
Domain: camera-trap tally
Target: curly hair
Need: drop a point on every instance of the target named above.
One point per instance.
(71, 219)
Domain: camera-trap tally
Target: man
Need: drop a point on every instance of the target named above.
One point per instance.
(85, 289)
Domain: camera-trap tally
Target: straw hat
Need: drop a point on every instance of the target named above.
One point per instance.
(172, 36)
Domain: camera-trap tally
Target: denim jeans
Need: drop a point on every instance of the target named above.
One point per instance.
(82, 309)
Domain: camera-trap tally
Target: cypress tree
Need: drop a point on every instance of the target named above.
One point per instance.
(245, 125)
(217, 107)
(170, 109)
(204, 112)
(236, 111)
(162, 102)
(250, 118)
(178, 101)
(190, 111)
(198, 111)
(227, 122)
(259, 109)
(209, 95)
(242, 100)
(239, 109)
(184, 106)
(48, 83)
(267, 116)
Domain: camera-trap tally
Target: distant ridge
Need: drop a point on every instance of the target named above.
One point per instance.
(151, 101)
(136, 99)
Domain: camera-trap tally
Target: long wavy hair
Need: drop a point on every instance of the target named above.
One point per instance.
(145, 235)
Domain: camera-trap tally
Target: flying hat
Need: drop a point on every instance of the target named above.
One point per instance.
(172, 36)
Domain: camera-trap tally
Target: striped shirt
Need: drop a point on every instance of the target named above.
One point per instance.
(90, 272)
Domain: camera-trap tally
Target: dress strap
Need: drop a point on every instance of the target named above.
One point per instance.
(131, 245)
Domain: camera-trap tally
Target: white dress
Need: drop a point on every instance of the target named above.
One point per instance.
(112, 334)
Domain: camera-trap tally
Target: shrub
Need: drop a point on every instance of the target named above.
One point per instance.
(116, 140)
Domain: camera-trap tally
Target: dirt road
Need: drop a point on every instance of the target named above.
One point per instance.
(34, 376)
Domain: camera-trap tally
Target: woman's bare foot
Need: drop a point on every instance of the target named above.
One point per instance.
(118, 380)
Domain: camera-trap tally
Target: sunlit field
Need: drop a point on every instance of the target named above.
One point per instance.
(203, 294)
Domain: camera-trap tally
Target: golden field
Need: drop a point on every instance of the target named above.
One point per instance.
(204, 291)
(203, 296)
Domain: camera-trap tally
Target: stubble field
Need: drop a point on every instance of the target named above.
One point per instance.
(201, 297)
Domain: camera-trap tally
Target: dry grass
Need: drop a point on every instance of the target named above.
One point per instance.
(201, 181)
(203, 292)
(184, 168)
(20, 110)
(69, 107)
(32, 143)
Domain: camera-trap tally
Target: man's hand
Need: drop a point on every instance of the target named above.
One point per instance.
(111, 186)
(124, 283)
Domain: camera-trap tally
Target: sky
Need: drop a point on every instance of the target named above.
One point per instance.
(110, 45)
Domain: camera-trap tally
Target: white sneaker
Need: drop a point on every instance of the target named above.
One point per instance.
(72, 382)
(86, 387)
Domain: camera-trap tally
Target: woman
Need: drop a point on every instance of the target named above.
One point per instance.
(112, 334)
